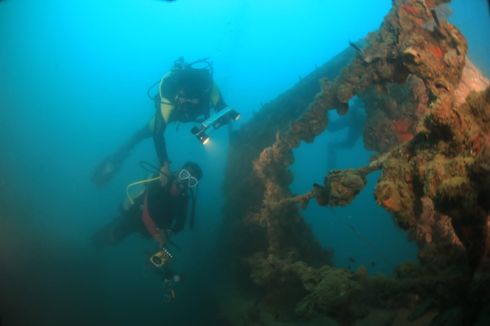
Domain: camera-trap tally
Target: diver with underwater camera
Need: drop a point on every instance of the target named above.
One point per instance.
(159, 211)
(187, 93)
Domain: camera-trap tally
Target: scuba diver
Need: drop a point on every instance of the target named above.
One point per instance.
(186, 94)
(157, 212)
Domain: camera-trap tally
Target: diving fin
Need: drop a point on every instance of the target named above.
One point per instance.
(105, 171)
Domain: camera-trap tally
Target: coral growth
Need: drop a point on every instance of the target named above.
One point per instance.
(434, 146)
(340, 187)
(438, 184)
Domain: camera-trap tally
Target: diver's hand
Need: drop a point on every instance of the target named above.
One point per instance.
(104, 172)
(161, 238)
(164, 173)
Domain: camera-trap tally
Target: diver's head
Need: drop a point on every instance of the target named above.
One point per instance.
(189, 175)
(194, 169)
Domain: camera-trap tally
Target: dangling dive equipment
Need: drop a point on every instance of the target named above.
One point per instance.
(160, 261)
(161, 258)
(150, 88)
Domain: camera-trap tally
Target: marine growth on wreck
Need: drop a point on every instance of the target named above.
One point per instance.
(428, 120)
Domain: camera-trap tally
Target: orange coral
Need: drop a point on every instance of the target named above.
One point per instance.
(405, 137)
(401, 125)
(402, 129)
(387, 197)
(436, 51)
(410, 9)
(480, 141)
(390, 204)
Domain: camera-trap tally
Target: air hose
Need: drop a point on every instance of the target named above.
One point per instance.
(131, 201)
(148, 167)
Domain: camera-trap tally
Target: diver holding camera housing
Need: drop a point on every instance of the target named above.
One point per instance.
(157, 211)
(217, 120)
(160, 261)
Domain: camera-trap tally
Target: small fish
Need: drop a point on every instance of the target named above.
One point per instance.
(443, 11)
(352, 259)
(373, 264)
(358, 49)
(436, 18)
(439, 14)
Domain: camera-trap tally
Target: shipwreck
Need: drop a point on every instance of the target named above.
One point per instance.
(428, 120)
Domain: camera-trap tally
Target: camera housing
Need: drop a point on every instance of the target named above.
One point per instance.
(161, 258)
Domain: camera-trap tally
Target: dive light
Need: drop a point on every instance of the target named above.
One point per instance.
(217, 120)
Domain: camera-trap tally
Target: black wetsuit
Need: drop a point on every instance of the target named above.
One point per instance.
(169, 212)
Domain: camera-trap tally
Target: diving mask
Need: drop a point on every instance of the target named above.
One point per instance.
(185, 177)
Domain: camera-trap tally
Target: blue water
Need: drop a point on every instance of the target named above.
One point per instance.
(73, 82)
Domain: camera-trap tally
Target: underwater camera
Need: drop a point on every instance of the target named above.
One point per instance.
(217, 120)
(161, 258)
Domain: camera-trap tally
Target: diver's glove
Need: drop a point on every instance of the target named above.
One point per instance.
(105, 171)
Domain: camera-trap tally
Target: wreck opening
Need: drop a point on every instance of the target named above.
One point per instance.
(349, 232)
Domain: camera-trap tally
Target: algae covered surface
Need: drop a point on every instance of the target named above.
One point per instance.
(428, 123)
